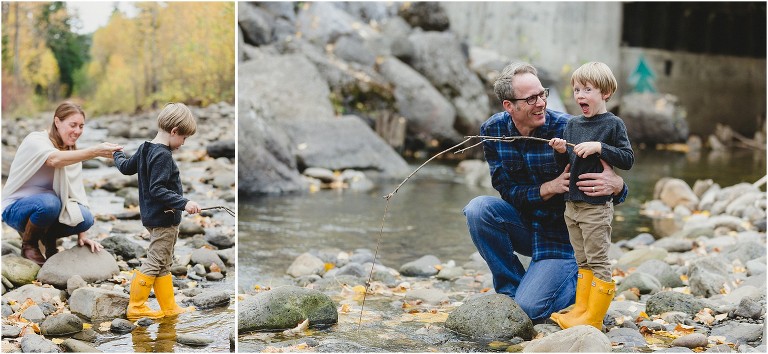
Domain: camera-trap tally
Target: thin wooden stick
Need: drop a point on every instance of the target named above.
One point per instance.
(373, 264)
(513, 138)
(389, 196)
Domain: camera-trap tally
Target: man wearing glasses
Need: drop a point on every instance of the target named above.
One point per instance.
(528, 218)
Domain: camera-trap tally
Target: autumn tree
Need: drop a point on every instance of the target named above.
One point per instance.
(176, 51)
(30, 70)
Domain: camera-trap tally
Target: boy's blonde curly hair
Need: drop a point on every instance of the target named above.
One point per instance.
(599, 75)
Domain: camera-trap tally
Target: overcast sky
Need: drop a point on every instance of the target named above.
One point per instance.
(95, 14)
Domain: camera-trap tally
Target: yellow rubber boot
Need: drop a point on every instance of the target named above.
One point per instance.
(600, 296)
(164, 294)
(141, 285)
(583, 286)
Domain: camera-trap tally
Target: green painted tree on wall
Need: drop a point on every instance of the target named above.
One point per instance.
(642, 78)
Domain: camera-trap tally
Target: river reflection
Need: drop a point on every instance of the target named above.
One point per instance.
(425, 217)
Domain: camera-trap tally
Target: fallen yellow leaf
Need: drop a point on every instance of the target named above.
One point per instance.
(425, 317)
(87, 326)
(344, 308)
(329, 266)
(497, 345)
(57, 341)
(215, 268)
(653, 340)
(358, 289)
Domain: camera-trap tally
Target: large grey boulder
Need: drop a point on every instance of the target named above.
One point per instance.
(429, 16)
(207, 257)
(33, 343)
(440, 58)
(668, 301)
(707, 276)
(76, 346)
(121, 246)
(257, 24)
(290, 85)
(653, 118)
(428, 113)
(284, 308)
(323, 22)
(644, 282)
(209, 299)
(38, 294)
(423, 267)
(345, 143)
(267, 159)
(19, 271)
(92, 267)
(98, 304)
(492, 316)
(578, 339)
(61, 324)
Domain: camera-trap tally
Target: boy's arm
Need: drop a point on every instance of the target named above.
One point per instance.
(620, 155)
(160, 167)
(126, 166)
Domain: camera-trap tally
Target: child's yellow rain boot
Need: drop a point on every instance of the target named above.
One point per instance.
(600, 296)
(583, 286)
(141, 285)
(164, 294)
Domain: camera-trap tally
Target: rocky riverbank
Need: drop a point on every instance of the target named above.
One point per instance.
(76, 301)
(699, 285)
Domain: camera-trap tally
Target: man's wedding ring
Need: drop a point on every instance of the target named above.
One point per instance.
(593, 189)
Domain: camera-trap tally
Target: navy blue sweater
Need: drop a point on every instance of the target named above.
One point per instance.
(611, 132)
(159, 183)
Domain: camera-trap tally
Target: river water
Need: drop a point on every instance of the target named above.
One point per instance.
(425, 217)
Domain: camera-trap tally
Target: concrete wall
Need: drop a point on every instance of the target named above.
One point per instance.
(560, 36)
(555, 36)
(712, 88)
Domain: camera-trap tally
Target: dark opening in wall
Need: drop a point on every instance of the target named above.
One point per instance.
(727, 28)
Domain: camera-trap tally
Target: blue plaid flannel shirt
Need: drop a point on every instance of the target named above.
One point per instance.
(518, 170)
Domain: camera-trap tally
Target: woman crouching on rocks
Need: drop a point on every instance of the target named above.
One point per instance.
(44, 197)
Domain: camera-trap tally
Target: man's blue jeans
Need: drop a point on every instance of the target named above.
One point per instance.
(43, 210)
(498, 232)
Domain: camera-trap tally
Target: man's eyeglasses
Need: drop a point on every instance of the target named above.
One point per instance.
(533, 99)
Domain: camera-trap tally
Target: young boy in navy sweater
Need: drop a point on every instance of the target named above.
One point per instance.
(160, 202)
(598, 135)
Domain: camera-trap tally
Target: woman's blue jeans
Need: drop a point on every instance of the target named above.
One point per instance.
(43, 210)
(498, 231)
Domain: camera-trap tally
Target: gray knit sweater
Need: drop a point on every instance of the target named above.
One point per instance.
(616, 150)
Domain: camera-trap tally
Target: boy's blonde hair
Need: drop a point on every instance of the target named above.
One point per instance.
(177, 115)
(597, 74)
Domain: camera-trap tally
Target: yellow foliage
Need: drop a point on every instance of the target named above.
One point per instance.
(174, 51)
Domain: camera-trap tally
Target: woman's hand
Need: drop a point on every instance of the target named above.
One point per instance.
(105, 149)
(601, 184)
(84, 241)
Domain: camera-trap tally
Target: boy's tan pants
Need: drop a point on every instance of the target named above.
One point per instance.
(160, 250)
(589, 229)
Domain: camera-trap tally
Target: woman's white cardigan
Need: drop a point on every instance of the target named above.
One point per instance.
(67, 181)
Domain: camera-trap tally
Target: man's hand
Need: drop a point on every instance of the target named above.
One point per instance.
(601, 184)
(587, 148)
(84, 241)
(558, 144)
(556, 186)
(192, 207)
